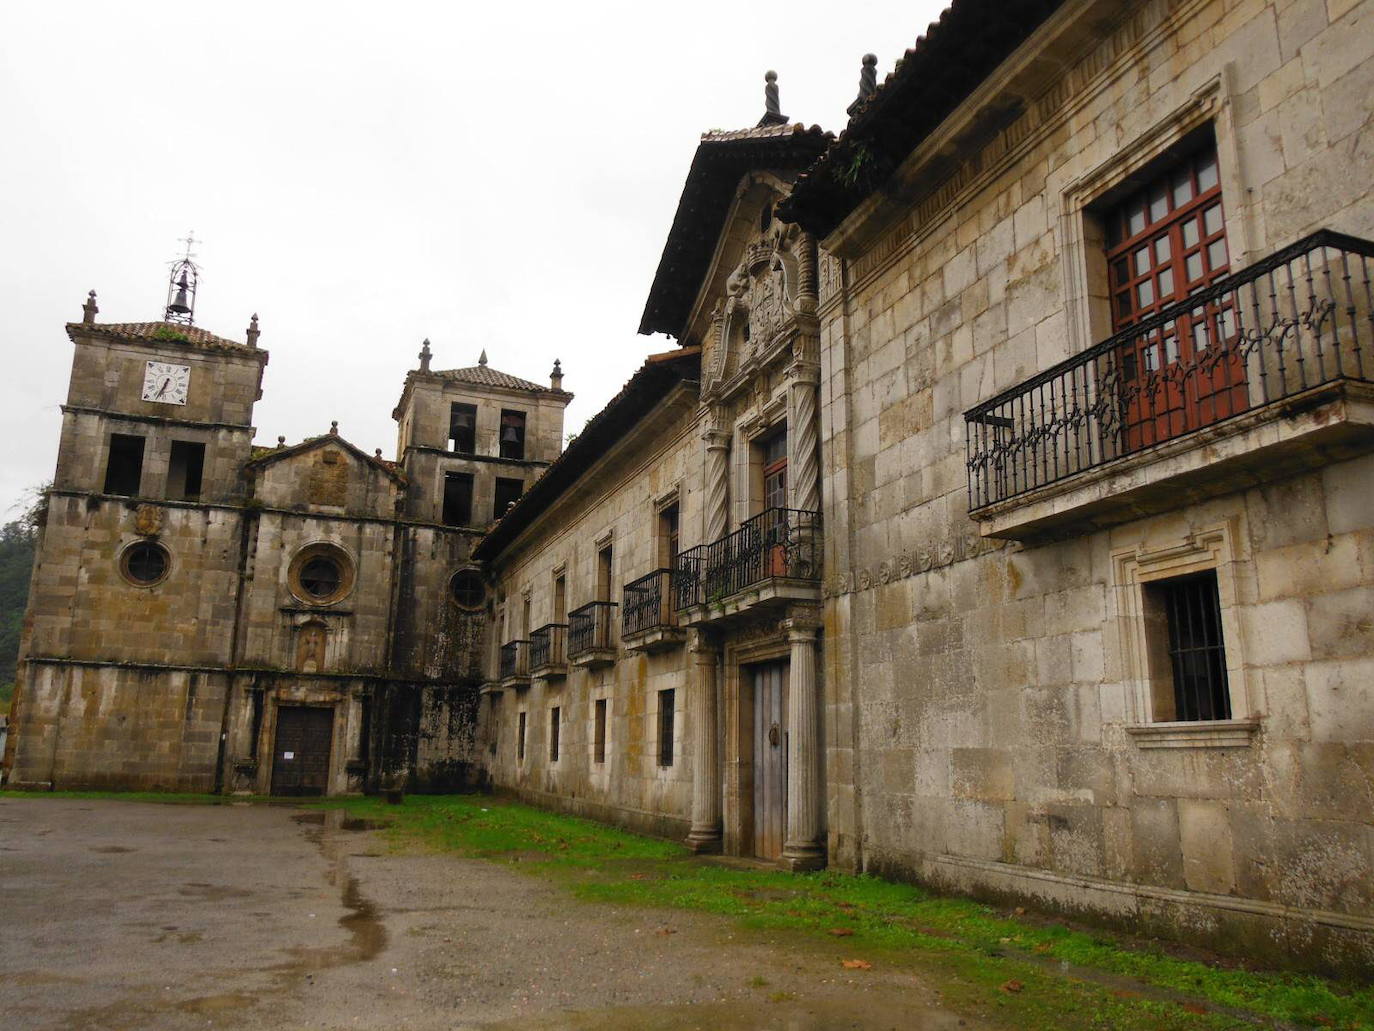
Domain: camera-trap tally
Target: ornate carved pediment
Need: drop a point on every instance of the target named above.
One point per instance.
(761, 300)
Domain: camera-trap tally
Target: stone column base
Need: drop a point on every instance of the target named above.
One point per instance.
(800, 858)
(703, 842)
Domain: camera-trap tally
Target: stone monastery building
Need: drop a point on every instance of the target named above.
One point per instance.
(1003, 519)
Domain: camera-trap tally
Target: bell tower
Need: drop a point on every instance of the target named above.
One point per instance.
(160, 411)
(181, 287)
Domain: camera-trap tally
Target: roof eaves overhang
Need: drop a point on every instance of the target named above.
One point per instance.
(656, 378)
(971, 39)
(721, 160)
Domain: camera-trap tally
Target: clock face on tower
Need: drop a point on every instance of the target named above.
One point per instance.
(165, 383)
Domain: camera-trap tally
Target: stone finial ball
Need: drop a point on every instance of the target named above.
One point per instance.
(870, 59)
(770, 76)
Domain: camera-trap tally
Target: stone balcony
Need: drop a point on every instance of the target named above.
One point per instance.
(1261, 375)
(648, 619)
(549, 652)
(771, 561)
(513, 666)
(591, 636)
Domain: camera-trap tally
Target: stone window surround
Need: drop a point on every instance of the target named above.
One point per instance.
(1081, 237)
(748, 459)
(599, 772)
(322, 547)
(1210, 549)
(653, 724)
(122, 556)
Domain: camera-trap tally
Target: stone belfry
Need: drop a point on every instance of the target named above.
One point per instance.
(131, 610)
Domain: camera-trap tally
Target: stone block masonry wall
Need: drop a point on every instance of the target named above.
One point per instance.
(981, 697)
(104, 727)
(616, 505)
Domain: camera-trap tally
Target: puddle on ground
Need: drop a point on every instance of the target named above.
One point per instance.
(215, 1003)
(337, 820)
(211, 892)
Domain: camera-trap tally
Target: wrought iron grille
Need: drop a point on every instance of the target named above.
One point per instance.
(648, 603)
(515, 659)
(589, 627)
(549, 645)
(778, 542)
(1301, 318)
(1192, 608)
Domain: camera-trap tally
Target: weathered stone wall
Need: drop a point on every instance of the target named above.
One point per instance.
(99, 727)
(617, 502)
(980, 701)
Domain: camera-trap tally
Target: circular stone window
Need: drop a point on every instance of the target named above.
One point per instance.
(321, 574)
(467, 589)
(145, 563)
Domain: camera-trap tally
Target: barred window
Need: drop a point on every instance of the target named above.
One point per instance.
(1183, 619)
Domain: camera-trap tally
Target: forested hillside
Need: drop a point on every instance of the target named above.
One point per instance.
(17, 541)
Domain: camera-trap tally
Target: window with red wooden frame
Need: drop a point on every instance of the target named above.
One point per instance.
(1163, 243)
(775, 470)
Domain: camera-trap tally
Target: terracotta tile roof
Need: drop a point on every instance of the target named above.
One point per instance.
(936, 75)
(156, 332)
(486, 376)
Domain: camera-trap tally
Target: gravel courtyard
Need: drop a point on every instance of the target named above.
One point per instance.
(118, 914)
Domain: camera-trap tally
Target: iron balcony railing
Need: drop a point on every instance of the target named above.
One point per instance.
(1298, 319)
(648, 603)
(778, 542)
(549, 645)
(515, 659)
(590, 627)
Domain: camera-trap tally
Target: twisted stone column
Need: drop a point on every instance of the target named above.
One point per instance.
(704, 835)
(808, 293)
(803, 428)
(717, 481)
(802, 847)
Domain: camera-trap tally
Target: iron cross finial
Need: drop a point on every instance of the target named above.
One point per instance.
(189, 240)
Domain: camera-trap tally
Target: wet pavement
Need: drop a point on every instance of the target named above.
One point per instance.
(128, 915)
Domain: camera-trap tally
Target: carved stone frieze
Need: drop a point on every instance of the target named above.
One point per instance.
(956, 549)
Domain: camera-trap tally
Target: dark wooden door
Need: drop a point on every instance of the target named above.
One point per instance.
(300, 760)
(770, 758)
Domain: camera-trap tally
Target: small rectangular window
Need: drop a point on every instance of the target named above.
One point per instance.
(668, 537)
(555, 722)
(603, 574)
(457, 499)
(124, 465)
(1183, 626)
(507, 493)
(512, 434)
(462, 428)
(599, 737)
(184, 470)
(520, 738)
(665, 727)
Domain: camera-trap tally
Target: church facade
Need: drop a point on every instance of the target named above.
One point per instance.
(1003, 518)
(206, 615)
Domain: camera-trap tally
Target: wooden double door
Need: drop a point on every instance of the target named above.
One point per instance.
(770, 758)
(300, 757)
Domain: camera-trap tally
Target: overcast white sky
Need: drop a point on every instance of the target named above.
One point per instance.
(363, 176)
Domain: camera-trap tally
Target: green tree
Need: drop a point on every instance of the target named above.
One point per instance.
(18, 541)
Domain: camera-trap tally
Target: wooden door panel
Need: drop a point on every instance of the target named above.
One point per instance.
(300, 758)
(770, 759)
